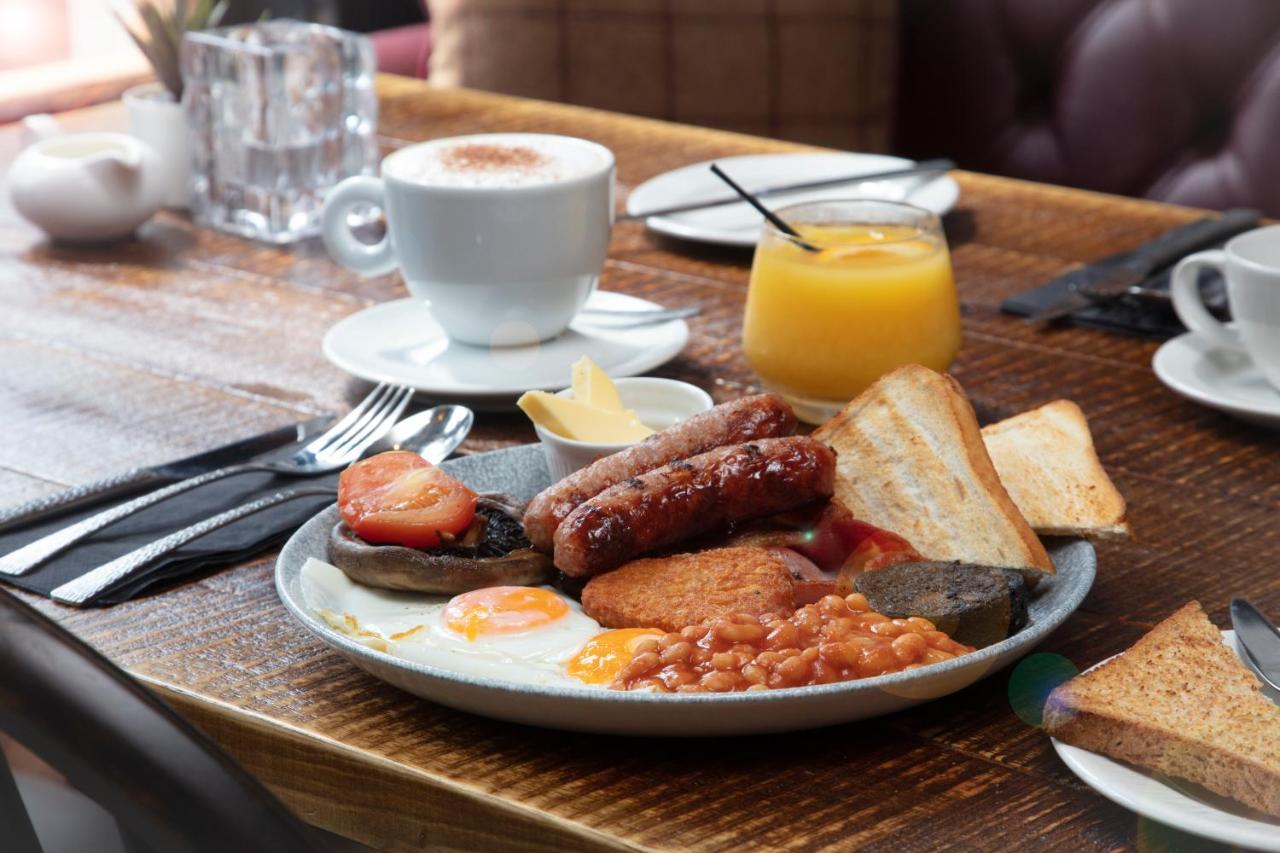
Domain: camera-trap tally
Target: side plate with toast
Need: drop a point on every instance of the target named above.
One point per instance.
(1174, 802)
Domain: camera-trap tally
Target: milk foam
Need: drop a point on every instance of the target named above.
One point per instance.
(497, 161)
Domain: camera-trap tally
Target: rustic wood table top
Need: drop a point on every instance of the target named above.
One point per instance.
(185, 338)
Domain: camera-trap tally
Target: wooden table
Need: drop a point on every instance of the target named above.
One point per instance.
(149, 350)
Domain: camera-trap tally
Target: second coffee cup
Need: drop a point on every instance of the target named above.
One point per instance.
(504, 234)
(1251, 264)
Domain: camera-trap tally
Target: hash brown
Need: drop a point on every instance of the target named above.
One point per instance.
(688, 589)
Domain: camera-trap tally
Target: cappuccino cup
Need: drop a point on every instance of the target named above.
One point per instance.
(1250, 263)
(503, 234)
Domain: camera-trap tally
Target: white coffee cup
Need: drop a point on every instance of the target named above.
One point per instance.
(505, 244)
(1250, 262)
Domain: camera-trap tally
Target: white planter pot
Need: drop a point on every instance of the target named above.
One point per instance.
(158, 120)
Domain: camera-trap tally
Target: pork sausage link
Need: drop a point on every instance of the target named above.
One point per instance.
(747, 419)
(690, 497)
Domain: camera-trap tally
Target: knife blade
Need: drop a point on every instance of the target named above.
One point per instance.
(1113, 276)
(138, 479)
(1259, 639)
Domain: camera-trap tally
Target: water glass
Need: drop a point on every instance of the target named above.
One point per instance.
(279, 112)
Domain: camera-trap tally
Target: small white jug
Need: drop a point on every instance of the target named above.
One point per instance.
(85, 187)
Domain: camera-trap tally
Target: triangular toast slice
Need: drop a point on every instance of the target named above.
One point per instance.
(1047, 463)
(910, 459)
(1181, 703)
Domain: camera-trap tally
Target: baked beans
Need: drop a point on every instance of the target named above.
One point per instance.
(838, 638)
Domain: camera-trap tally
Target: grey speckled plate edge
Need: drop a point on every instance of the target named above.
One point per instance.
(521, 471)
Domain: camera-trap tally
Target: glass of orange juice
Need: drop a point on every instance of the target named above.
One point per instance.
(878, 293)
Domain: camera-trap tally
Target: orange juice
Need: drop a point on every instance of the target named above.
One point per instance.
(822, 326)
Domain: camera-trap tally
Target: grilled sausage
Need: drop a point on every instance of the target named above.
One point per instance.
(690, 497)
(761, 416)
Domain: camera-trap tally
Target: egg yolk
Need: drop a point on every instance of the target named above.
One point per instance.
(604, 655)
(503, 610)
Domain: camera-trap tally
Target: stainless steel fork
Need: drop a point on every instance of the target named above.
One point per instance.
(336, 447)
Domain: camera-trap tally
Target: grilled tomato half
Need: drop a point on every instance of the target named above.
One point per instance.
(400, 498)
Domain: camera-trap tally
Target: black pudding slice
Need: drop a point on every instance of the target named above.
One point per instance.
(974, 605)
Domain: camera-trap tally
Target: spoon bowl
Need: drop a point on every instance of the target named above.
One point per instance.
(432, 434)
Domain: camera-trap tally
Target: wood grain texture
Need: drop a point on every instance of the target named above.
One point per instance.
(186, 338)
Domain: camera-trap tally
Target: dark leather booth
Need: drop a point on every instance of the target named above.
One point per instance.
(1177, 100)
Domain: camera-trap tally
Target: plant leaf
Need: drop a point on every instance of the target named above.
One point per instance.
(207, 14)
(195, 18)
(164, 47)
(215, 14)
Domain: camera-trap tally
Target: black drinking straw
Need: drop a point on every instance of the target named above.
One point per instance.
(766, 212)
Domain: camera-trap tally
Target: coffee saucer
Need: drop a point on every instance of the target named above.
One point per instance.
(401, 342)
(1220, 379)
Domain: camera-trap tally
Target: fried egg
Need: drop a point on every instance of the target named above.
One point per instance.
(533, 635)
(602, 658)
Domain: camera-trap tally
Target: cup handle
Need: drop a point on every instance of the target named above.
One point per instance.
(367, 259)
(1185, 289)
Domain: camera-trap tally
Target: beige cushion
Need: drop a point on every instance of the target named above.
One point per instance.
(819, 71)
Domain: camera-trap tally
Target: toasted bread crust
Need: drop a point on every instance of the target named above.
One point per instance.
(910, 459)
(1178, 702)
(1046, 459)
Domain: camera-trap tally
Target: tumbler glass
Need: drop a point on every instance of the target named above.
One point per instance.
(866, 288)
(280, 112)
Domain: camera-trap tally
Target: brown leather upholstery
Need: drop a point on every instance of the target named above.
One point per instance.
(1171, 99)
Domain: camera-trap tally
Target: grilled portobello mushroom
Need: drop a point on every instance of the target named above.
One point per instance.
(492, 552)
(974, 605)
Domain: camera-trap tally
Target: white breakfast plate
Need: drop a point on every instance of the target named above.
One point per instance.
(739, 225)
(1175, 803)
(1220, 379)
(522, 472)
(400, 342)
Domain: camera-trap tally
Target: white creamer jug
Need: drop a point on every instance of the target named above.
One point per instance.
(85, 187)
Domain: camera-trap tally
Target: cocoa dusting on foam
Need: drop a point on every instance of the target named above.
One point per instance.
(478, 157)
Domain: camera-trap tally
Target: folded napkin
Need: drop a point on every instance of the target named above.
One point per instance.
(224, 547)
(1150, 315)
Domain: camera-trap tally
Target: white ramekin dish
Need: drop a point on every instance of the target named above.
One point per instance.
(658, 402)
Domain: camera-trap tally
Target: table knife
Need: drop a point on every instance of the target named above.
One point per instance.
(83, 590)
(137, 479)
(1259, 639)
(1112, 277)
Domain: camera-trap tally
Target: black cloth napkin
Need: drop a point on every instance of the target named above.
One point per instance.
(1150, 315)
(229, 545)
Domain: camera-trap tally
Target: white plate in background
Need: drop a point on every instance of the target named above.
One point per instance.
(739, 225)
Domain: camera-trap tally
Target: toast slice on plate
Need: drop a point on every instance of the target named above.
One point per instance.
(1047, 463)
(910, 459)
(1181, 703)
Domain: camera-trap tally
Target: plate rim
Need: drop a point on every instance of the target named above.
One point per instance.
(672, 228)
(1185, 343)
(1028, 638)
(648, 358)
(1083, 763)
